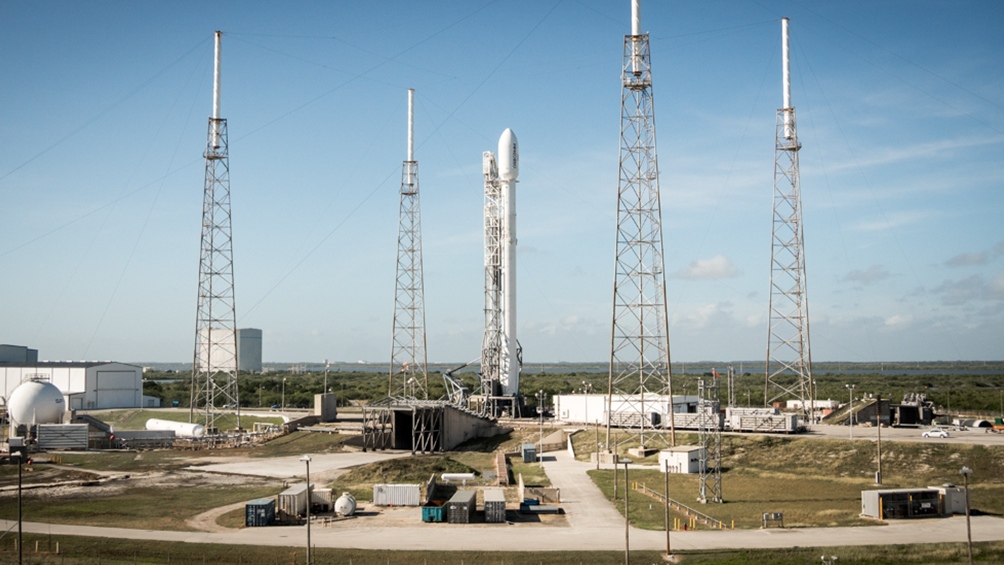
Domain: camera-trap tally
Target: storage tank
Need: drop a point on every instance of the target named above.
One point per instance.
(345, 505)
(36, 402)
(180, 429)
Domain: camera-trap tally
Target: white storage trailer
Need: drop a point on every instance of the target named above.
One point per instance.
(292, 502)
(397, 495)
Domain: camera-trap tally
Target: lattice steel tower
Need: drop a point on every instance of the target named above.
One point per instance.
(214, 367)
(709, 438)
(493, 339)
(789, 361)
(409, 375)
(639, 357)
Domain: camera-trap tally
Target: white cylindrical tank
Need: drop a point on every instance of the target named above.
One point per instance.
(457, 476)
(36, 402)
(180, 429)
(345, 505)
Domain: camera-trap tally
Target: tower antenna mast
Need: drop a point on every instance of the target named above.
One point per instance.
(409, 375)
(640, 381)
(789, 361)
(214, 367)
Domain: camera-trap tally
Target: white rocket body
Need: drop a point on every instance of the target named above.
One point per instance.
(508, 164)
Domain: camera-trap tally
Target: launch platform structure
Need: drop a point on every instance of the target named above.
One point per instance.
(789, 361)
(409, 375)
(709, 438)
(501, 355)
(640, 374)
(214, 367)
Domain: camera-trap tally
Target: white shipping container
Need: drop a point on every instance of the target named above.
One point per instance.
(396, 495)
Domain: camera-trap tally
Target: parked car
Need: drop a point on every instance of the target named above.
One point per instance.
(936, 432)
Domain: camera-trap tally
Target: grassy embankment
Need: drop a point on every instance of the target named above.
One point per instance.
(814, 482)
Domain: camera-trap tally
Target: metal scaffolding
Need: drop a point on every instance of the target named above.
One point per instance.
(408, 364)
(639, 357)
(214, 366)
(789, 360)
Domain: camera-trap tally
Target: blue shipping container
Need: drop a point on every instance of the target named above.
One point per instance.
(259, 512)
(433, 513)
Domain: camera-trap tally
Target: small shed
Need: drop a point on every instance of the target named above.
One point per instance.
(953, 498)
(529, 452)
(682, 459)
(891, 504)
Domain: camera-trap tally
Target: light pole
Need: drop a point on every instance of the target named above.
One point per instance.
(327, 366)
(306, 459)
(540, 411)
(850, 413)
(966, 471)
(666, 471)
(627, 523)
(878, 426)
(283, 395)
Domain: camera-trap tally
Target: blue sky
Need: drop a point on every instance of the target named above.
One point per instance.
(900, 115)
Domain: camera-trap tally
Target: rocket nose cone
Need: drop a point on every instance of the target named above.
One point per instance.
(508, 156)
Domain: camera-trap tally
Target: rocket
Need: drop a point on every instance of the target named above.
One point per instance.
(508, 167)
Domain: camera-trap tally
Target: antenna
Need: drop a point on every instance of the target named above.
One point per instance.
(216, 88)
(786, 77)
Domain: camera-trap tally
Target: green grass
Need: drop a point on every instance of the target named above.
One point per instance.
(75, 550)
(144, 508)
(814, 482)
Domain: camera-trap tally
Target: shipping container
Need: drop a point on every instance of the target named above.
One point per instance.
(293, 501)
(397, 495)
(461, 508)
(433, 513)
(529, 451)
(259, 512)
(494, 506)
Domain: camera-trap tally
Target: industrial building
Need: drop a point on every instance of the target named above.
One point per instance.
(220, 348)
(913, 502)
(86, 385)
(249, 350)
(423, 426)
(592, 408)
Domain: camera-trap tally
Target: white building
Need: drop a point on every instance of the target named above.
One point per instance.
(85, 385)
(221, 354)
(681, 459)
(592, 408)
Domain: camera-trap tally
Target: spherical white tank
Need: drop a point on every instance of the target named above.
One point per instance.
(508, 156)
(36, 402)
(180, 429)
(345, 505)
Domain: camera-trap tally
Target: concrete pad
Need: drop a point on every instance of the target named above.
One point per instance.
(290, 467)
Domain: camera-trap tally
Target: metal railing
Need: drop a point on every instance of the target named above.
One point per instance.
(679, 507)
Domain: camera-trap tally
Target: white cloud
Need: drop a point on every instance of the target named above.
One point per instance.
(889, 221)
(978, 258)
(717, 267)
(899, 320)
(871, 275)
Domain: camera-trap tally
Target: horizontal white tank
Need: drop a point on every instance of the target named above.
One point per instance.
(457, 476)
(180, 429)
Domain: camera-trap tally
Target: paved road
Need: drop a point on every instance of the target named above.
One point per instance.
(593, 524)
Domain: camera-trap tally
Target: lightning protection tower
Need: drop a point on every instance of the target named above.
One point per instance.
(789, 361)
(214, 368)
(709, 438)
(640, 379)
(409, 375)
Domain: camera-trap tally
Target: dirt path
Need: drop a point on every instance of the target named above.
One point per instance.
(206, 522)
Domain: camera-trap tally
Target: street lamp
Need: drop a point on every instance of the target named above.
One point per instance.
(283, 395)
(878, 426)
(540, 411)
(666, 501)
(627, 523)
(850, 414)
(306, 459)
(966, 471)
